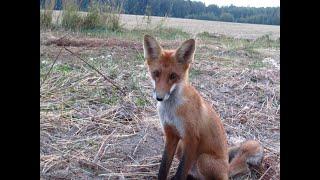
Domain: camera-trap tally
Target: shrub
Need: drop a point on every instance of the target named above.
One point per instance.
(93, 19)
(112, 17)
(71, 19)
(45, 19)
(46, 13)
(226, 17)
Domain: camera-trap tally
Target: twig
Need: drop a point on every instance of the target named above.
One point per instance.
(265, 173)
(102, 148)
(136, 148)
(149, 174)
(105, 77)
(142, 58)
(54, 62)
(142, 165)
(55, 59)
(63, 36)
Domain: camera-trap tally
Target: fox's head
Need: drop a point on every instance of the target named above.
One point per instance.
(168, 68)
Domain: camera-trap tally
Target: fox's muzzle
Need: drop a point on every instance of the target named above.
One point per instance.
(162, 96)
(159, 99)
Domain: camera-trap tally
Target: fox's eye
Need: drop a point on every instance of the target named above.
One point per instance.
(173, 76)
(156, 73)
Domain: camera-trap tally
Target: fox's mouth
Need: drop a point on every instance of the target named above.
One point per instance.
(166, 96)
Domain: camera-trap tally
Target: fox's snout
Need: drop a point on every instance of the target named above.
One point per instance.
(160, 96)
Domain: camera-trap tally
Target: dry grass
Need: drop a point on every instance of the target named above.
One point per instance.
(193, 26)
(89, 129)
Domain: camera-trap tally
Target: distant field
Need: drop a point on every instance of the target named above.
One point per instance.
(237, 30)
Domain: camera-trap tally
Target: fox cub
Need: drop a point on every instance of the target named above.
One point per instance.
(193, 130)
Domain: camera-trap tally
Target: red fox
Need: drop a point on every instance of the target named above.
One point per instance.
(193, 130)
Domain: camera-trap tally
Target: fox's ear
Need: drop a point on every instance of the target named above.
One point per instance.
(151, 47)
(185, 52)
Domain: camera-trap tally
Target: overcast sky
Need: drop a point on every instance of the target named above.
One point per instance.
(251, 3)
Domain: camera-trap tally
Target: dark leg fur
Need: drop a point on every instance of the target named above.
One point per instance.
(180, 168)
(189, 177)
(168, 153)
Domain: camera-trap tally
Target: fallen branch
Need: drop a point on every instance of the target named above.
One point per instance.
(136, 148)
(54, 62)
(105, 77)
(102, 148)
(264, 173)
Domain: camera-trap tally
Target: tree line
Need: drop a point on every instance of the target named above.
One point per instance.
(188, 9)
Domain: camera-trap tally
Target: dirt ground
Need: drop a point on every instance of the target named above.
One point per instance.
(89, 130)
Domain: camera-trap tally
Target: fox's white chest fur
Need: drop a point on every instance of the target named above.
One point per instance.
(167, 113)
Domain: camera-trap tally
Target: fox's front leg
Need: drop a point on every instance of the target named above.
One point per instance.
(189, 156)
(170, 147)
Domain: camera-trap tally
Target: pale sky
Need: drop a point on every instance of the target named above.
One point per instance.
(250, 3)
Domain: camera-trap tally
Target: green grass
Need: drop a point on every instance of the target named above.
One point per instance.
(159, 31)
(163, 33)
(112, 99)
(44, 66)
(256, 64)
(137, 34)
(141, 101)
(139, 59)
(71, 19)
(240, 52)
(46, 15)
(264, 41)
(194, 73)
(46, 19)
(100, 16)
(93, 20)
(109, 66)
(235, 43)
(63, 68)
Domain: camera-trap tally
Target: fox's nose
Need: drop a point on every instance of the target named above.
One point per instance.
(158, 96)
(159, 99)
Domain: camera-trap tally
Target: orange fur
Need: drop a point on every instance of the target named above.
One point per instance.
(193, 129)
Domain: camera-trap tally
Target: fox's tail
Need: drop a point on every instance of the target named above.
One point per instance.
(240, 157)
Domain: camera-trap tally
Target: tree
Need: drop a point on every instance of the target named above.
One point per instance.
(186, 9)
(213, 9)
(165, 7)
(227, 17)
